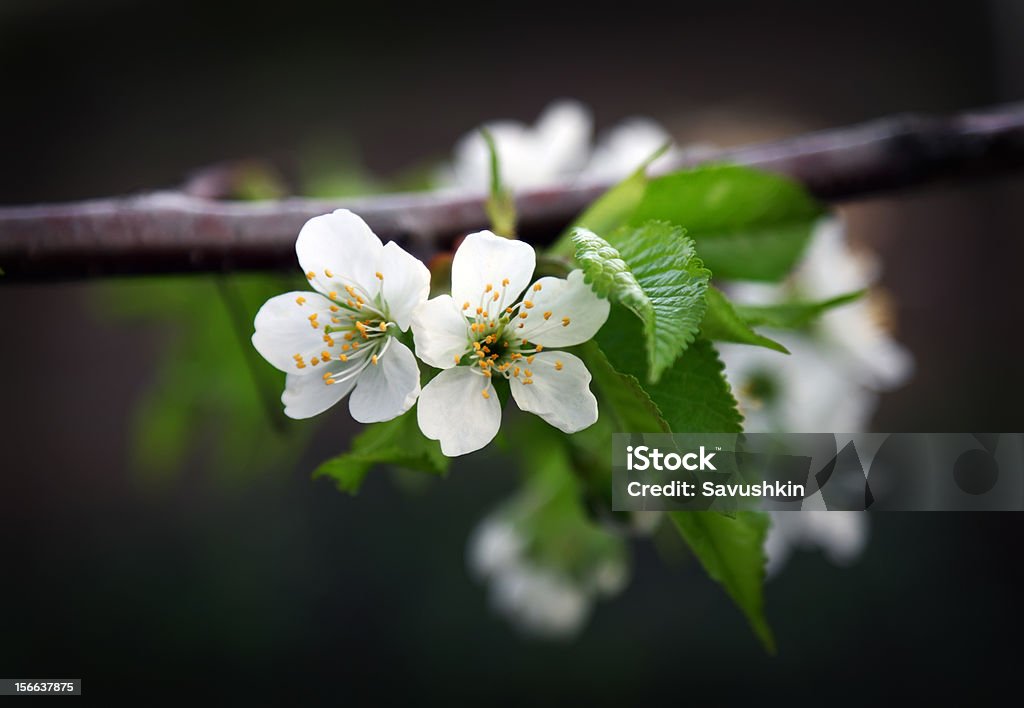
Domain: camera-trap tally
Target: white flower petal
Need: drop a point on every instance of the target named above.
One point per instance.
(561, 396)
(625, 147)
(563, 135)
(516, 147)
(283, 329)
(577, 313)
(406, 283)
(339, 249)
(453, 409)
(307, 396)
(440, 332)
(387, 389)
(485, 259)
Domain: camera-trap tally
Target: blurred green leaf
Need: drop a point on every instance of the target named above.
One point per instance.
(211, 390)
(652, 270)
(723, 323)
(746, 224)
(731, 549)
(396, 442)
(792, 315)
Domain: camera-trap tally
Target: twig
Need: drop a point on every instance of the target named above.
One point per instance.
(173, 232)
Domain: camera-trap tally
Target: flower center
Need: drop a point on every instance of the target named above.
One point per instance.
(495, 347)
(357, 333)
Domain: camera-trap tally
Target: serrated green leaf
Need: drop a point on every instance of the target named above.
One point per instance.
(731, 549)
(655, 272)
(792, 315)
(396, 442)
(621, 396)
(692, 394)
(609, 274)
(722, 323)
(747, 224)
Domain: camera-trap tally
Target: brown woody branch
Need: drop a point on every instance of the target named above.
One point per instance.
(174, 232)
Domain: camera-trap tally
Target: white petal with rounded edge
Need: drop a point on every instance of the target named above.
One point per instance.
(387, 389)
(569, 297)
(560, 397)
(485, 259)
(440, 331)
(563, 135)
(339, 249)
(453, 409)
(406, 283)
(307, 396)
(283, 329)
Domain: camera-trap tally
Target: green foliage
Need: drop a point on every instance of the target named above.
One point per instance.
(396, 442)
(747, 224)
(792, 315)
(731, 549)
(723, 323)
(692, 394)
(501, 207)
(654, 271)
(211, 390)
(621, 396)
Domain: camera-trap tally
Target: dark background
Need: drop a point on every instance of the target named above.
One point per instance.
(276, 585)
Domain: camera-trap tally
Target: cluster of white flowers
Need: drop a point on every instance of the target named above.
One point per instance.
(558, 148)
(539, 599)
(345, 337)
(831, 382)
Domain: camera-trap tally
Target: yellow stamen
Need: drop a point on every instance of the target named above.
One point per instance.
(529, 374)
(505, 281)
(334, 308)
(565, 321)
(496, 296)
(488, 288)
(547, 315)
(299, 300)
(380, 276)
(524, 315)
(485, 394)
(333, 294)
(457, 358)
(527, 304)
(314, 361)
(383, 327)
(325, 355)
(328, 273)
(558, 365)
(465, 306)
(540, 347)
(373, 360)
(343, 357)
(310, 275)
(537, 288)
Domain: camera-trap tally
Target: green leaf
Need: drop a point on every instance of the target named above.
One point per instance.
(721, 322)
(792, 315)
(655, 272)
(731, 549)
(621, 396)
(692, 394)
(396, 442)
(501, 207)
(747, 224)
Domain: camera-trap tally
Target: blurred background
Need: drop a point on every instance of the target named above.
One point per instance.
(160, 534)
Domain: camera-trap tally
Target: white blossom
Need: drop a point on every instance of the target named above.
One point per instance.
(539, 598)
(341, 339)
(557, 149)
(830, 382)
(488, 327)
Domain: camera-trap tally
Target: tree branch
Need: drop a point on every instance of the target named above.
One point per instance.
(174, 232)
